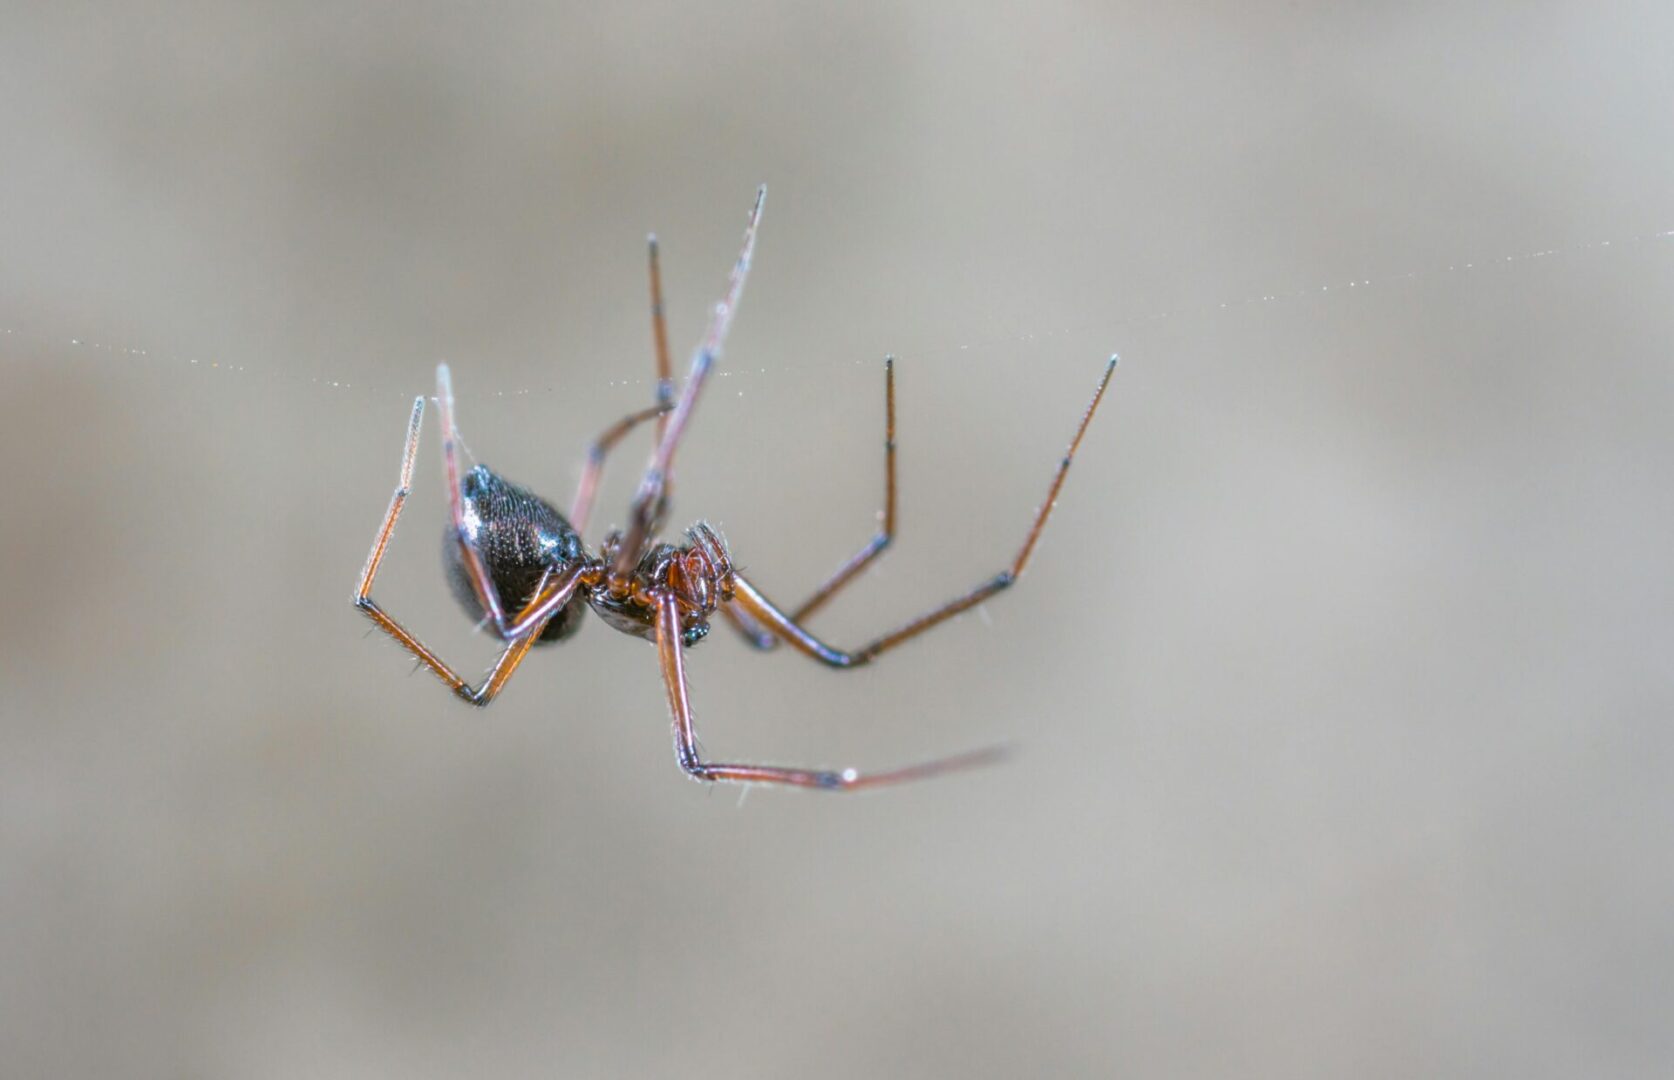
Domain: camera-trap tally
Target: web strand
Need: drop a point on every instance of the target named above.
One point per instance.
(14, 341)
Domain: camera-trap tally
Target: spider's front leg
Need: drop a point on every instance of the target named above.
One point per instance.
(650, 501)
(581, 509)
(752, 629)
(672, 656)
(762, 621)
(554, 592)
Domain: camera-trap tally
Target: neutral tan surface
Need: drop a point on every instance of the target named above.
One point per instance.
(1341, 683)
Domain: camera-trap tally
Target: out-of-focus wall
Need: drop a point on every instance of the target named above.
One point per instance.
(1340, 685)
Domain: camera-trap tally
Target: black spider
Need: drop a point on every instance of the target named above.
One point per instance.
(504, 543)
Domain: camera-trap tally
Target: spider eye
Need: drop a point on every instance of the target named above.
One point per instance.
(694, 633)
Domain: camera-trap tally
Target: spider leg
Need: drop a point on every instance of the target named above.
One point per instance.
(505, 665)
(751, 630)
(860, 560)
(403, 487)
(686, 749)
(659, 337)
(651, 500)
(554, 592)
(483, 585)
(768, 617)
(874, 547)
(581, 508)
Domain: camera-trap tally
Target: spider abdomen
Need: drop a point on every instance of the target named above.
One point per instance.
(520, 537)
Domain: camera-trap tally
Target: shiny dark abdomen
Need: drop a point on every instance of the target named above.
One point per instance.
(520, 538)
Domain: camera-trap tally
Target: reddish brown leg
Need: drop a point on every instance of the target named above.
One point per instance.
(874, 547)
(860, 560)
(581, 508)
(691, 760)
(553, 593)
(659, 337)
(504, 666)
(651, 500)
(766, 617)
(481, 583)
(751, 630)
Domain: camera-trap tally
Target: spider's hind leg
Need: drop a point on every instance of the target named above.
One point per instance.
(403, 487)
(481, 583)
(552, 594)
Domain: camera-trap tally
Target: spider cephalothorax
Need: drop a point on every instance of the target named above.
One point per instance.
(697, 574)
(523, 569)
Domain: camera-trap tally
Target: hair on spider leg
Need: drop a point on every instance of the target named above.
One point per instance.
(504, 541)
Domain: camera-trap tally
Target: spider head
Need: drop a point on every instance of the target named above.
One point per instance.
(692, 580)
(699, 574)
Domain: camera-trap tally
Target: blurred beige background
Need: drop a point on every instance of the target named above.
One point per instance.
(1342, 679)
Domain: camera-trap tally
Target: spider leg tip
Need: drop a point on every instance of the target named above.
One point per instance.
(996, 754)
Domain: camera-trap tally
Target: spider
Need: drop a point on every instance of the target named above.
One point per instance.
(522, 568)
